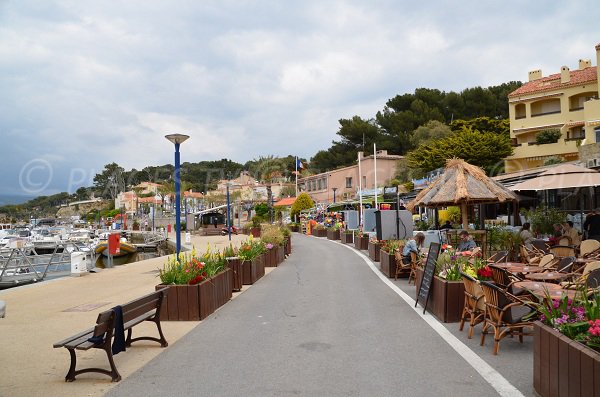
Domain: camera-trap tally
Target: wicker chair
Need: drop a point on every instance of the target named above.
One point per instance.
(579, 278)
(474, 308)
(565, 240)
(505, 313)
(589, 247)
(529, 255)
(402, 267)
(505, 280)
(548, 261)
(498, 257)
(561, 251)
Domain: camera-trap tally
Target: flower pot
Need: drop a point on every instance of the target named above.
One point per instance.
(388, 264)
(271, 257)
(255, 231)
(361, 242)
(288, 245)
(446, 298)
(563, 367)
(333, 234)
(253, 270)
(374, 251)
(280, 254)
(222, 287)
(319, 232)
(235, 264)
(295, 228)
(346, 237)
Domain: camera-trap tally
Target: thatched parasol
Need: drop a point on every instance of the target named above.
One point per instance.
(464, 184)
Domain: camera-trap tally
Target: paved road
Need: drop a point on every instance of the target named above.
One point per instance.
(322, 324)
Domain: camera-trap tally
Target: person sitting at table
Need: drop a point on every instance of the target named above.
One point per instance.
(466, 242)
(571, 232)
(446, 225)
(526, 235)
(413, 244)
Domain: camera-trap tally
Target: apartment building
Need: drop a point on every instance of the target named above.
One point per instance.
(343, 183)
(563, 104)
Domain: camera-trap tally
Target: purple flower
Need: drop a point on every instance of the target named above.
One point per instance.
(269, 246)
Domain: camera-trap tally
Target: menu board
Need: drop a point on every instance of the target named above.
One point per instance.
(428, 274)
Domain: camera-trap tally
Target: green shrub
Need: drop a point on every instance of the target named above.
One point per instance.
(547, 136)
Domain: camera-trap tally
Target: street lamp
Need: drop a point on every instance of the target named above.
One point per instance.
(334, 189)
(228, 208)
(177, 139)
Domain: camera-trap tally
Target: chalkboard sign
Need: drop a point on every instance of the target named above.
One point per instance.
(428, 273)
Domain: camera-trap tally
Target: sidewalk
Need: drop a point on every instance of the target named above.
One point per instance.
(41, 314)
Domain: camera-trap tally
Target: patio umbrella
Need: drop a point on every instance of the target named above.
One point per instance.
(562, 176)
(462, 184)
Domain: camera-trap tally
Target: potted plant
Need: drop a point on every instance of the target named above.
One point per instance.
(333, 232)
(294, 226)
(273, 239)
(347, 236)
(361, 240)
(251, 253)
(319, 230)
(234, 263)
(387, 258)
(255, 230)
(197, 285)
(287, 235)
(566, 352)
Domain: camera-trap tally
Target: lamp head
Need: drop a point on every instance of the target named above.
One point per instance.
(177, 138)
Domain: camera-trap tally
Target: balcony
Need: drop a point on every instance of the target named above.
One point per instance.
(546, 113)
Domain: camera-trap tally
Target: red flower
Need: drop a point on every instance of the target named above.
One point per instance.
(485, 272)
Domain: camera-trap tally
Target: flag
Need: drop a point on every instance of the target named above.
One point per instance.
(299, 164)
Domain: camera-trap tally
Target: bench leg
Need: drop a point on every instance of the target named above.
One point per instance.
(71, 374)
(163, 342)
(116, 376)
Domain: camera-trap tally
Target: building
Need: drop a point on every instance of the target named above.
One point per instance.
(343, 183)
(250, 190)
(563, 104)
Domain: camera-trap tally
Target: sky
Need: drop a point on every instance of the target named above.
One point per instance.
(85, 83)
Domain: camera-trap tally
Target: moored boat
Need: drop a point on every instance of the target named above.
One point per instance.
(125, 248)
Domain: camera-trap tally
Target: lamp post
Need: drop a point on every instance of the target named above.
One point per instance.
(228, 208)
(334, 189)
(177, 139)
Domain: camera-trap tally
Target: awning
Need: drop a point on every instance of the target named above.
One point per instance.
(562, 176)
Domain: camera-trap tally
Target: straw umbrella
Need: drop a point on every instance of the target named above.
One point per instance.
(462, 184)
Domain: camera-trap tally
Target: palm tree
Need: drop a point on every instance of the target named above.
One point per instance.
(266, 170)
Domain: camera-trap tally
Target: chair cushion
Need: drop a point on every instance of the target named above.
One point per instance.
(515, 314)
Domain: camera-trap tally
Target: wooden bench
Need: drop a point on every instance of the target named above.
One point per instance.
(146, 308)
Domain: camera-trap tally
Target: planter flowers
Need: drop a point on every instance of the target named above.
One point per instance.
(251, 253)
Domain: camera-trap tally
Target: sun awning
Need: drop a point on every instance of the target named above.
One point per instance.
(563, 176)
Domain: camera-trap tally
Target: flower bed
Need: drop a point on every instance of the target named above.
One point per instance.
(387, 263)
(374, 249)
(253, 270)
(319, 231)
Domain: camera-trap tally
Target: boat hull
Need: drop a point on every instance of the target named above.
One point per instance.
(125, 249)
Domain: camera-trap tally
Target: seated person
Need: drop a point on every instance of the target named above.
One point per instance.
(466, 242)
(571, 232)
(446, 225)
(412, 245)
(526, 235)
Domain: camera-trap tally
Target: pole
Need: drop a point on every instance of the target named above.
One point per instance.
(153, 211)
(375, 163)
(359, 192)
(228, 213)
(296, 176)
(177, 203)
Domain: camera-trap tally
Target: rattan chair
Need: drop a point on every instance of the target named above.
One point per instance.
(579, 278)
(505, 280)
(474, 308)
(547, 261)
(561, 251)
(506, 314)
(500, 256)
(402, 267)
(530, 256)
(589, 247)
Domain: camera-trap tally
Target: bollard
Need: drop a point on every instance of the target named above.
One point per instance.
(78, 264)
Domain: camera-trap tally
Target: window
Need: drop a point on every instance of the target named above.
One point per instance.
(597, 133)
(348, 181)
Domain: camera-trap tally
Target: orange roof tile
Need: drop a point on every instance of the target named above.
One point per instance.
(552, 82)
(284, 202)
(193, 194)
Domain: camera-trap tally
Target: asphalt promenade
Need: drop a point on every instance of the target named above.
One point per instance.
(323, 324)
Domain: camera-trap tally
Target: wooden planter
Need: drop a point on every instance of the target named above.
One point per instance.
(388, 264)
(563, 367)
(346, 237)
(253, 270)
(319, 232)
(333, 234)
(269, 258)
(361, 243)
(288, 245)
(295, 228)
(280, 254)
(196, 302)
(235, 264)
(374, 251)
(255, 231)
(446, 299)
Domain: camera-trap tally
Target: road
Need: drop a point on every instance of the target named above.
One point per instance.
(322, 324)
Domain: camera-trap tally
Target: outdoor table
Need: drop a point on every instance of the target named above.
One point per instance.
(506, 265)
(524, 269)
(543, 289)
(551, 277)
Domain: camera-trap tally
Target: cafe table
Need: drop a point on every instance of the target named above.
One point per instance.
(542, 290)
(523, 268)
(549, 277)
(506, 265)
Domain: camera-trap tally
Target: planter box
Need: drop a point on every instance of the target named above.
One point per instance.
(361, 243)
(333, 234)
(446, 298)
(196, 302)
(319, 232)
(235, 264)
(280, 254)
(295, 228)
(288, 245)
(374, 251)
(346, 238)
(269, 258)
(563, 367)
(255, 231)
(253, 270)
(388, 264)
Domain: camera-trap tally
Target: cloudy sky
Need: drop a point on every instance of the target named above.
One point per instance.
(84, 83)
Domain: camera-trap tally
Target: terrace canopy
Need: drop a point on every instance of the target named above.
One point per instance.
(562, 176)
(462, 184)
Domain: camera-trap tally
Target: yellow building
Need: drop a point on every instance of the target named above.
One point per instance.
(566, 102)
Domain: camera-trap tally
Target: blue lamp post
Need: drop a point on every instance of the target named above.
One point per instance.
(177, 139)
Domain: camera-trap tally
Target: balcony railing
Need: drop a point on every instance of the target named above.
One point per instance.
(545, 113)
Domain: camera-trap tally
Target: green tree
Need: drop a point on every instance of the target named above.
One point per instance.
(303, 202)
(266, 170)
(484, 149)
(431, 130)
(110, 182)
(497, 126)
